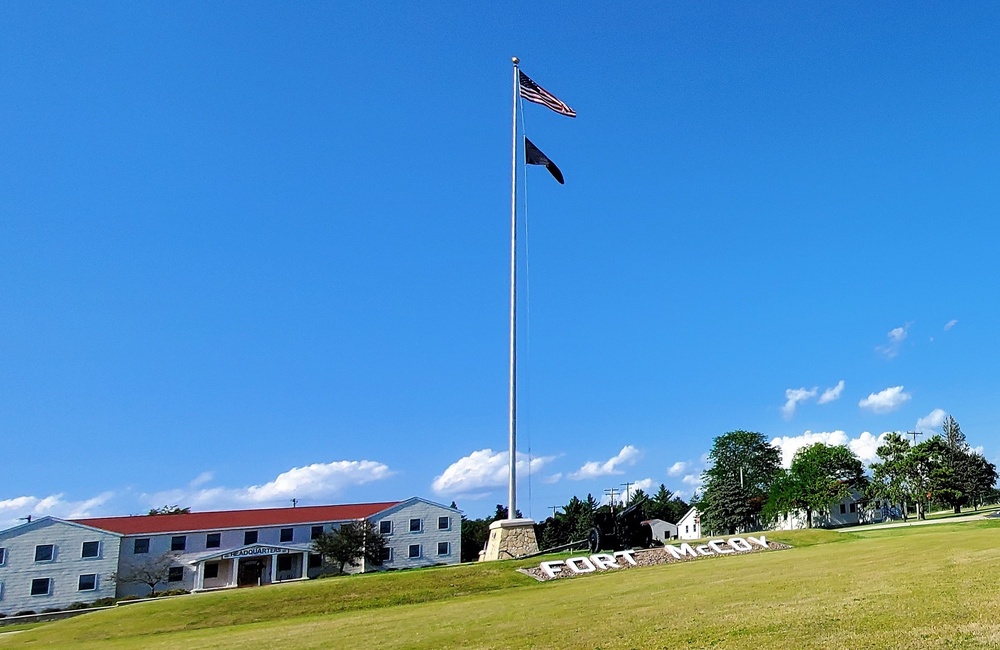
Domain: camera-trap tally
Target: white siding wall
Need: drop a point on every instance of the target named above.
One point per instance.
(197, 543)
(64, 570)
(427, 538)
(689, 527)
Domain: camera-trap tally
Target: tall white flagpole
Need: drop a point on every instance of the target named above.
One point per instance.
(512, 461)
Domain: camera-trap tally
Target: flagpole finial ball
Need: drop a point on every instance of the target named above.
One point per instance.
(515, 60)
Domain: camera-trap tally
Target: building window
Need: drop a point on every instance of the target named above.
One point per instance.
(91, 549)
(3, 556)
(213, 540)
(854, 508)
(41, 586)
(140, 546)
(414, 550)
(211, 570)
(685, 529)
(315, 561)
(88, 582)
(175, 574)
(286, 534)
(386, 554)
(444, 548)
(284, 562)
(385, 527)
(843, 508)
(250, 537)
(444, 523)
(178, 542)
(316, 532)
(416, 525)
(44, 552)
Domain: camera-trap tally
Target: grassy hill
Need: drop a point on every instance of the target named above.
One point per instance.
(922, 587)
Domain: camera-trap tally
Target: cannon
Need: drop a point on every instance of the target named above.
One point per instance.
(620, 530)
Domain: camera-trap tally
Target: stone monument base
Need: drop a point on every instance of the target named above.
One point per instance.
(509, 539)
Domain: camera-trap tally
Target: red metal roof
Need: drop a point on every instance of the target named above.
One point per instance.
(198, 521)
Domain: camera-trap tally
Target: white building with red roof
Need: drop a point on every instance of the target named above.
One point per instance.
(50, 563)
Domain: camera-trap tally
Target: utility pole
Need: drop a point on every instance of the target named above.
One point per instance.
(628, 494)
(611, 492)
(914, 434)
(295, 502)
(553, 509)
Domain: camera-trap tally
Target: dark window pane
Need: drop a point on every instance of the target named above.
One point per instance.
(315, 561)
(40, 586)
(284, 562)
(91, 549)
(212, 570)
(385, 527)
(414, 525)
(414, 550)
(43, 552)
(444, 523)
(214, 540)
(175, 574)
(141, 545)
(386, 554)
(88, 582)
(316, 532)
(250, 537)
(442, 548)
(286, 534)
(178, 542)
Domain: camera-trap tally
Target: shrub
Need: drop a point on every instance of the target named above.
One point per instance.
(103, 602)
(173, 592)
(51, 610)
(130, 597)
(2, 615)
(78, 605)
(25, 612)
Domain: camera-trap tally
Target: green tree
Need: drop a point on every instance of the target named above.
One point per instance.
(666, 505)
(351, 543)
(742, 467)
(820, 476)
(891, 478)
(475, 533)
(150, 571)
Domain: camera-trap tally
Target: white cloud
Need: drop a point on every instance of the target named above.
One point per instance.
(12, 510)
(644, 484)
(788, 445)
(864, 446)
(678, 468)
(886, 400)
(481, 471)
(694, 480)
(316, 482)
(832, 394)
(201, 479)
(793, 396)
(932, 421)
(593, 469)
(950, 324)
(896, 337)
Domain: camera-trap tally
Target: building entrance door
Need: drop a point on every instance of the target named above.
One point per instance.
(250, 573)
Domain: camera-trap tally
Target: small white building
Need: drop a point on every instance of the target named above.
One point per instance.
(50, 563)
(689, 526)
(850, 511)
(662, 531)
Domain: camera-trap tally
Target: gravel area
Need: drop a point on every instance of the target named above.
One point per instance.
(647, 557)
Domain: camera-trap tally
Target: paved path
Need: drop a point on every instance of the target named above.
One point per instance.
(917, 522)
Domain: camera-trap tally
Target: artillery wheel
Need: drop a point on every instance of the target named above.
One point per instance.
(594, 540)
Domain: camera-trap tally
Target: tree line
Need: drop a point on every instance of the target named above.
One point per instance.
(572, 522)
(746, 488)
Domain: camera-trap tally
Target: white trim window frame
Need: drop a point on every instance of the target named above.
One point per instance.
(447, 522)
(420, 525)
(385, 527)
(79, 582)
(3, 556)
(447, 548)
(48, 587)
(409, 552)
(52, 553)
(83, 550)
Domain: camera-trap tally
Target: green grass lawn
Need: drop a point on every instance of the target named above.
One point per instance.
(921, 587)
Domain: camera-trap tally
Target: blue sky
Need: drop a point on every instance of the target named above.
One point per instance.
(257, 251)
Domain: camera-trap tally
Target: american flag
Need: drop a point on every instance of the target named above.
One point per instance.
(535, 93)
